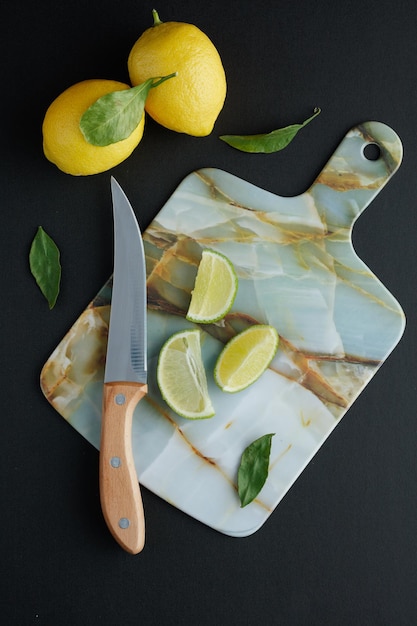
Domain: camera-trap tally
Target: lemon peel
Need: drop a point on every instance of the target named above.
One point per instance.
(191, 102)
(63, 142)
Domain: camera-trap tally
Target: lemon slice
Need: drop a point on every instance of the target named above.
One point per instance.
(214, 290)
(181, 376)
(245, 357)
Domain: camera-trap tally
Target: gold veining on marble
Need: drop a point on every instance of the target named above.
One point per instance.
(297, 271)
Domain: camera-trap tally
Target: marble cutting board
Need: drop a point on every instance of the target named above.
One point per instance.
(297, 271)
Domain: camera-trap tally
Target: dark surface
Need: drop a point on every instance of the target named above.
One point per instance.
(341, 548)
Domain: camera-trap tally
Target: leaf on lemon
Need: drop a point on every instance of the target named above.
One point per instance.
(269, 142)
(45, 265)
(253, 469)
(114, 116)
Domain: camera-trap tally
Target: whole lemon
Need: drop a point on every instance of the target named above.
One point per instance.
(63, 142)
(191, 101)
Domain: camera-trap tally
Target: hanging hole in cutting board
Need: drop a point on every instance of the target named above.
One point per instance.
(371, 151)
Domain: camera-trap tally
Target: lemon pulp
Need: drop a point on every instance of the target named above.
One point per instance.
(246, 357)
(214, 290)
(181, 376)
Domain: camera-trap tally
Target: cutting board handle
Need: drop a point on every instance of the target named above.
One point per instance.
(363, 163)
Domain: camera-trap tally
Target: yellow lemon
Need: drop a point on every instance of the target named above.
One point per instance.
(63, 142)
(190, 102)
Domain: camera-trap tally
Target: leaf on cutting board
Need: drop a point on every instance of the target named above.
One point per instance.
(45, 265)
(253, 469)
(269, 142)
(114, 116)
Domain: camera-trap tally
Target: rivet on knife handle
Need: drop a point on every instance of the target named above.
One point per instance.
(120, 496)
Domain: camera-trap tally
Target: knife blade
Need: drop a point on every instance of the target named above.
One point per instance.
(125, 380)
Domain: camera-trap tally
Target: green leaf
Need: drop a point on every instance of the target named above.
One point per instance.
(268, 142)
(114, 116)
(45, 266)
(253, 469)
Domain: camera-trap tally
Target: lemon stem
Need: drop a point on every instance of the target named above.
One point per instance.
(156, 20)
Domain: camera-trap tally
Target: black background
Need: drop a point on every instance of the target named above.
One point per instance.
(341, 548)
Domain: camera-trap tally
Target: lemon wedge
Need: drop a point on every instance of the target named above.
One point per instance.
(245, 357)
(214, 290)
(181, 376)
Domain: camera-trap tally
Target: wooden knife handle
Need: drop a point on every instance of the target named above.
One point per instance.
(120, 497)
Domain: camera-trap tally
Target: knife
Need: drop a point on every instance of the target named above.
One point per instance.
(125, 380)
